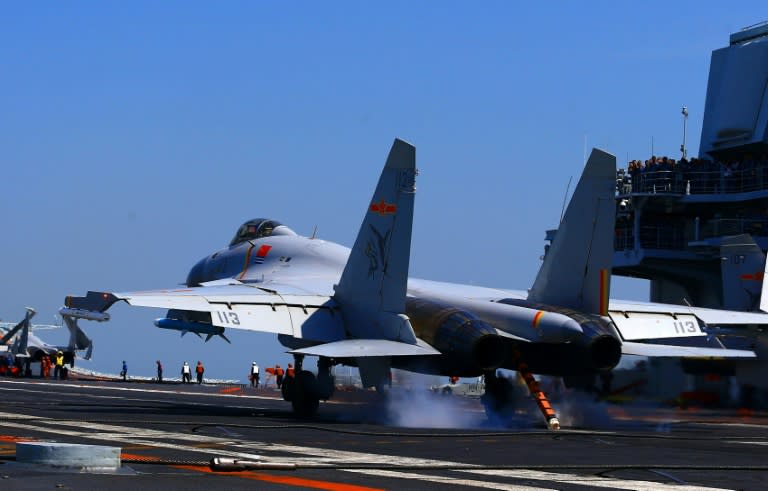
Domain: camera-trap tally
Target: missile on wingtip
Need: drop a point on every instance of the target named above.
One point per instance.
(84, 314)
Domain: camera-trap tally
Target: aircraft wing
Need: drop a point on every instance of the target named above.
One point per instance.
(685, 331)
(233, 304)
(665, 350)
(711, 317)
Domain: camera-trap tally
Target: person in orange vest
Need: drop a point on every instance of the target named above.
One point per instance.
(279, 372)
(45, 366)
(199, 370)
(290, 372)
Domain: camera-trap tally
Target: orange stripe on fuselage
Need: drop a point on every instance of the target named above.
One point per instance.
(537, 318)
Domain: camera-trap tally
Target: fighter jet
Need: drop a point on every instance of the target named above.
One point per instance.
(358, 307)
(23, 343)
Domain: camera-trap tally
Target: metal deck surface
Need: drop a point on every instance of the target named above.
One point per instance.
(168, 433)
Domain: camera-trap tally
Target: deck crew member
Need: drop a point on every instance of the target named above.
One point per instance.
(254, 375)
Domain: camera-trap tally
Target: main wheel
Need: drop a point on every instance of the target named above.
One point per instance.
(499, 400)
(305, 401)
(288, 388)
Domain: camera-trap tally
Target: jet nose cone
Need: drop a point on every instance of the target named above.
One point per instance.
(196, 274)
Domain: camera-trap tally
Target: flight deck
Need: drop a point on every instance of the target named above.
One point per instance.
(169, 433)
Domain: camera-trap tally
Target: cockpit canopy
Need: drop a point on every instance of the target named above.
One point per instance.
(258, 228)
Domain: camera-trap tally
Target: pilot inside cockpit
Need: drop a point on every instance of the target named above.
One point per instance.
(258, 228)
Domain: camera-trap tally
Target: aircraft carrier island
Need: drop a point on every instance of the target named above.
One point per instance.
(697, 227)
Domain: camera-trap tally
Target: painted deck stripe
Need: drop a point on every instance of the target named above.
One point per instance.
(446, 480)
(288, 480)
(139, 436)
(590, 480)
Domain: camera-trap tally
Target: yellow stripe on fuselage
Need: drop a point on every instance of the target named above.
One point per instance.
(604, 278)
(247, 262)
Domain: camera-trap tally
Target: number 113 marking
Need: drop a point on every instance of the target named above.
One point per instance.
(227, 317)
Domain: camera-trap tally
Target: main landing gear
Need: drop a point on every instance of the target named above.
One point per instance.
(305, 390)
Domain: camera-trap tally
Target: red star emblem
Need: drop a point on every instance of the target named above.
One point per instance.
(383, 208)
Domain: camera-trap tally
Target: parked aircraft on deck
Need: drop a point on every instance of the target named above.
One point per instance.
(20, 341)
(358, 307)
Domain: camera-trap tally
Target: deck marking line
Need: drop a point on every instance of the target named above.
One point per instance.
(288, 480)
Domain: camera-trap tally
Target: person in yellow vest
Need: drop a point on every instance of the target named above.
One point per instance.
(58, 365)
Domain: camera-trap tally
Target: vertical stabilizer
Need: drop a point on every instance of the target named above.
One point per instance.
(78, 340)
(21, 344)
(373, 284)
(577, 266)
(743, 270)
(18, 327)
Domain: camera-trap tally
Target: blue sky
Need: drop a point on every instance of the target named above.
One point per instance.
(135, 137)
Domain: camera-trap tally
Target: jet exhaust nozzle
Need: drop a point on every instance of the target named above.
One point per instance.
(604, 352)
(468, 344)
(490, 352)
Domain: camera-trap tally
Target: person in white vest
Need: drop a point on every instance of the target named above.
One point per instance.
(186, 373)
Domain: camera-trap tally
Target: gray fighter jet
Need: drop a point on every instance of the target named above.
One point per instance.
(20, 341)
(358, 307)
